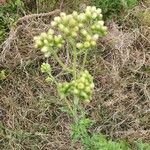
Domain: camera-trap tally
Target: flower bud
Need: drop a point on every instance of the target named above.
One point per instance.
(81, 86)
(44, 49)
(104, 28)
(59, 45)
(82, 79)
(61, 26)
(94, 16)
(93, 43)
(84, 32)
(46, 42)
(45, 68)
(86, 44)
(75, 14)
(58, 39)
(74, 34)
(75, 91)
(88, 12)
(92, 85)
(43, 35)
(101, 23)
(84, 95)
(50, 31)
(64, 88)
(88, 89)
(99, 11)
(47, 54)
(93, 27)
(53, 24)
(79, 45)
(88, 8)
(81, 25)
(88, 37)
(66, 30)
(62, 14)
(82, 17)
(100, 16)
(76, 29)
(72, 22)
(36, 38)
(95, 37)
(65, 20)
(50, 37)
(57, 19)
(38, 44)
(93, 8)
(59, 36)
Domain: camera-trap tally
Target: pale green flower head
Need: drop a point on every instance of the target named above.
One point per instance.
(45, 68)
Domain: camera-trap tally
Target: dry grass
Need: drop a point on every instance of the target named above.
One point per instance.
(29, 111)
(29, 108)
(122, 76)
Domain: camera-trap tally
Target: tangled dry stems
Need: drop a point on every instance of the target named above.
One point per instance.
(29, 108)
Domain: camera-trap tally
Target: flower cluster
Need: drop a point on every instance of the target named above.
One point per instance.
(64, 89)
(67, 24)
(47, 42)
(81, 87)
(93, 27)
(90, 40)
(85, 28)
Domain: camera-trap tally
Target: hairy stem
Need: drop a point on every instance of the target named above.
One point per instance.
(72, 42)
(75, 108)
(54, 80)
(69, 106)
(64, 67)
(84, 60)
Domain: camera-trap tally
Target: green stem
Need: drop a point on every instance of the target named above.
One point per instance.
(69, 106)
(61, 63)
(84, 60)
(54, 80)
(75, 108)
(74, 58)
(75, 62)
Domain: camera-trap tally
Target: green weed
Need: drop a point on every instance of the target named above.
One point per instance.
(142, 146)
(114, 7)
(8, 15)
(2, 75)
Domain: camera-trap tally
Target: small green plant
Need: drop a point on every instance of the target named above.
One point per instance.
(80, 32)
(2, 75)
(8, 15)
(114, 7)
(142, 146)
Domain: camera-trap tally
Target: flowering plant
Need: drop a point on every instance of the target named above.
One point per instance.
(80, 32)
